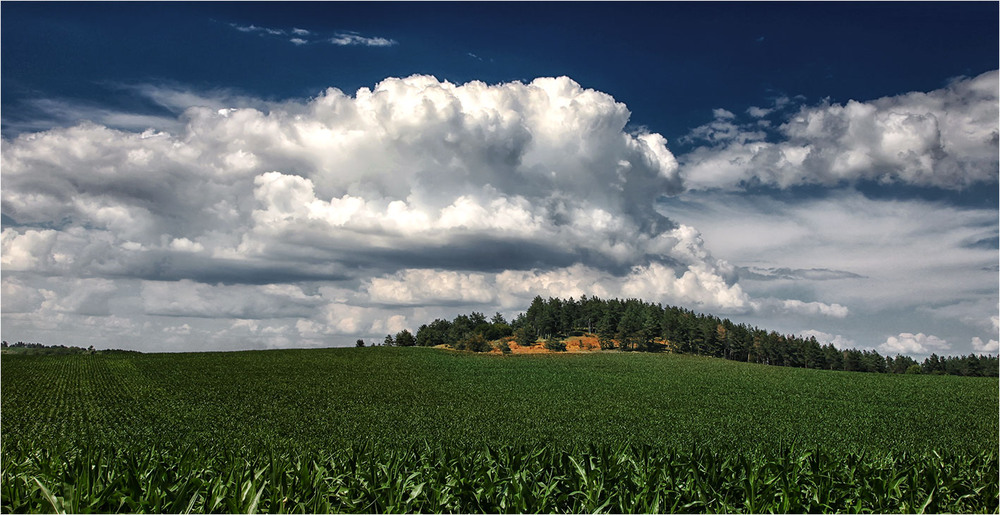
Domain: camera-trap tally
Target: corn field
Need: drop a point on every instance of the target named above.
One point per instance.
(504, 479)
(420, 430)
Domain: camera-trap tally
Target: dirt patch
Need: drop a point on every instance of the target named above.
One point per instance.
(586, 343)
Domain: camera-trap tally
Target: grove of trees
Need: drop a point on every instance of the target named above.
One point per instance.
(635, 325)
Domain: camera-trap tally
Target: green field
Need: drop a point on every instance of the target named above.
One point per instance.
(416, 429)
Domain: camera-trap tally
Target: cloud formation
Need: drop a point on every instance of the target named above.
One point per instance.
(947, 138)
(291, 223)
(338, 210)
(909, 343)
(837, 340)
(989, 347)
(355, 39)
(299, 35)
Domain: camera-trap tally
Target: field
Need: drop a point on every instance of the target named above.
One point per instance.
(414, 429)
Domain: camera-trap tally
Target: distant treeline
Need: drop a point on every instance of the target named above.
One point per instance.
(635, 325)
(40, 348)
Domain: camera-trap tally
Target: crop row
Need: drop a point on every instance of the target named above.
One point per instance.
(503, 479)
(321, 399)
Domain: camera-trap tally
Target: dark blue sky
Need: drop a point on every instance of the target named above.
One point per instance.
(671, 63)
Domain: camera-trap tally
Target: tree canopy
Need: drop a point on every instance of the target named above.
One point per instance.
(635, 325)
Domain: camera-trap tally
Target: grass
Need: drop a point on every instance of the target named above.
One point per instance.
(293, 430)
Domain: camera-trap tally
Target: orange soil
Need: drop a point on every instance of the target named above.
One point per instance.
(587, 343)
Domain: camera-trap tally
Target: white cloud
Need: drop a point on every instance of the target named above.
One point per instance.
(723, 114)
(891, 264)
(758, 112)
(355, 214)
(298, 41)
(814, 308)
(17, 297)
(420, 287)
(891, 253)
(367, 190)
(190, 299)
(85, 297)
(946, 138)
(697, 286)
(909, 343)
(990, 347)
(355, 39)
(258, 30)
(837, 340)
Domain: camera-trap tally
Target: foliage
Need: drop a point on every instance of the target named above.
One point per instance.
(410, 429)
(475, 343)
(405, 338)
(555, 344)
(639, 325)
(524, 337)
(42, 349)
(497, 479)
(359, 343)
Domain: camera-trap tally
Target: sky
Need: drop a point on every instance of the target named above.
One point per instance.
(225, 176)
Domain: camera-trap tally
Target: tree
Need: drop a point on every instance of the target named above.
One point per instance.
(649, 330)
(389, 341)
(606, 331)
(475, 343)
(435, 333)
(555, 344)
(497, 328)
(359, 343)
(630, 326)
(524, 337)
(405, 338)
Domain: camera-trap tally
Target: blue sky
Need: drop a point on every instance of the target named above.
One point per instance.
(178, 176)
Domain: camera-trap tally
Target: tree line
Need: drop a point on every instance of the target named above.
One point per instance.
(42, 349)
(635, 325)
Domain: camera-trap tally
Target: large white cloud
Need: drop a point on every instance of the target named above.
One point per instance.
(946, 138)
(337, 210)
(413, 162)
(283, 223)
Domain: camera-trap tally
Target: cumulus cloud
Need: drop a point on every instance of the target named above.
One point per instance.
(989, 347)
(909, 343)
(415, 164)
(946, 138)
(355, 213)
